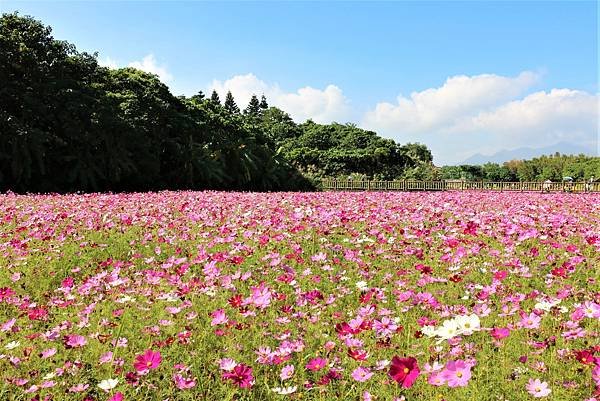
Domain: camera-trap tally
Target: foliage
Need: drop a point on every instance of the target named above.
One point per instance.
(68, 124)
(340, 150)
(553, 167)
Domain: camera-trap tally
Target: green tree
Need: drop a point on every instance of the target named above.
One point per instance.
(263, 103)
(230, 104)
(214, 97)
(253, 108)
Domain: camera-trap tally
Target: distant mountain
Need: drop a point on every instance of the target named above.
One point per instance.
(502, 156)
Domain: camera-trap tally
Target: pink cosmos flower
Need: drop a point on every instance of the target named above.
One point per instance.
(316, 364)
(286, 372)
(385, 327)
(537, 388)
(47, 384)
(182, 382)
(240, 375)
(436, 379)
(361, 374)
(105, 358)
(219, 317)
(78, 388)
(500, 332)
(457, 373)
(404, 371)
(117, 397)
(596, 374)
(48, 353)
(75, 341)
(8, 325)
(531, 321)
(227, 364)
(147, 361)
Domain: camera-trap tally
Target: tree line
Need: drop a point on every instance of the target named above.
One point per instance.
(68, 124)
(551, 167)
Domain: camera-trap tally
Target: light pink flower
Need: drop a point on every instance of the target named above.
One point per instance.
(531, 321)
(227, 364)
(219, 317)
(537, 388)
(75, 341)
(48, 353)
(182, 382)
(286, 372)
(361, 374)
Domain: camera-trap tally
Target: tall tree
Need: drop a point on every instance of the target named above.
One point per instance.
(198, 97)
(214, 97)
(253, 108)
(263, 103)
(230, 104)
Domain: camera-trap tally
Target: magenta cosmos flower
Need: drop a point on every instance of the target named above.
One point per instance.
(147, 361)
(404, 371)
(500, 332)
(240, 375)
(316, 364)
(116, 397)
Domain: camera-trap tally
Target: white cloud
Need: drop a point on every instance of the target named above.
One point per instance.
(321, 105)
(108, 62)
(558, 115)
(487, 113)
(438, 107)
(149, 64)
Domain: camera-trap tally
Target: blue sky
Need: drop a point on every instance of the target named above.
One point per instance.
(462, 77)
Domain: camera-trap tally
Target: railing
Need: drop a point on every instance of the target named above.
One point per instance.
(415, 185)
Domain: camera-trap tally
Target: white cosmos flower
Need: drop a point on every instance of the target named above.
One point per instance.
(108, 384)
(547, 305)
(12, 345)
(429, 331)
(448, 330)
(468, 324)
(125, 299)
(285, 390)
(362, 285)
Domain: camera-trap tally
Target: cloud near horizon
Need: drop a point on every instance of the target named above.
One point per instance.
(148, 64)
(320, 105)
(487, 113)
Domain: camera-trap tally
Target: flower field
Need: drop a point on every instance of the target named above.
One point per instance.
(301, 296)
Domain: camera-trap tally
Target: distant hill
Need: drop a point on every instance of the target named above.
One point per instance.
(529, 153)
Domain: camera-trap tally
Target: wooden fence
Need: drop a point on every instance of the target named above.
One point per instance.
(414, 185)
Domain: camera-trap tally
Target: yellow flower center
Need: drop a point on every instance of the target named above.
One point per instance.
(406, 370)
